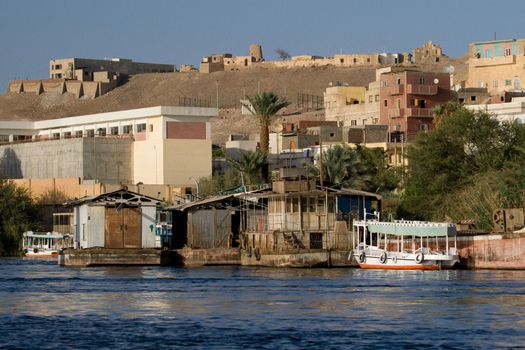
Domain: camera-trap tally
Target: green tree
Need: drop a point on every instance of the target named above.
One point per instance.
(469, 165)
(265, 105)
(250, 165)
(358, 168)
(16, 216)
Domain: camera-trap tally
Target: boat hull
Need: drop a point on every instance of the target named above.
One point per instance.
(396, 261)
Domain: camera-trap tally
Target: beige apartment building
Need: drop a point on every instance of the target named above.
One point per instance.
(497, 65)
(84, 69)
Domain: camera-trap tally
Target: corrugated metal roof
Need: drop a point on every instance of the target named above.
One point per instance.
(87, 199)
(201, 202)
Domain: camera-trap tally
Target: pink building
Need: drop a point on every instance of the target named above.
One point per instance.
(406, 100)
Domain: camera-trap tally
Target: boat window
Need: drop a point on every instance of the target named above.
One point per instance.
(304, 205)
(311, 205)
(320, 205)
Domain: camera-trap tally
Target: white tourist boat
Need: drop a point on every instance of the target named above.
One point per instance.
(44, 244)
(404, 245)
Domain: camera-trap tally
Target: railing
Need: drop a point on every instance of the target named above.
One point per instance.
(493, 61)
(396, 90)
(396, 112)
(418, 112)
(422, 89)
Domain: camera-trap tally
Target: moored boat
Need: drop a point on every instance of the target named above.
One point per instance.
(44, 244)
(404, 245)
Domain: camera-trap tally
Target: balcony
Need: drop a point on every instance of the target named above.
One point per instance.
(493, 61)
(418, 112)
(422, 89)
(395, 112)
(396, 90)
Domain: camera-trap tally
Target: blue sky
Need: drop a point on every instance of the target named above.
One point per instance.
(33, 32)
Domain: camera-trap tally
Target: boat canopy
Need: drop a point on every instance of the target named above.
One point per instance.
(411, 228)
(43, 235)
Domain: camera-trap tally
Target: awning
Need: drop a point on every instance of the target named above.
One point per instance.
(412, 228)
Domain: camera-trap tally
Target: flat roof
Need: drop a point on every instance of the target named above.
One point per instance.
(170, 111)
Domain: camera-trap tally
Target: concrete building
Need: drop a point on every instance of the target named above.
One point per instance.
(155, 145)
(355, 105)
(406, 100)
(85, 69)
(119, 219)
(513, 111)
(497, 65)
(473, 96)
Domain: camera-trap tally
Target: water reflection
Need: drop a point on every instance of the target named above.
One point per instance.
(261, 307)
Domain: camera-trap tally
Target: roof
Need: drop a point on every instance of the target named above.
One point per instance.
(206, 201)
(118, 197)
(343, 191)
(129, 114)
(410, 228)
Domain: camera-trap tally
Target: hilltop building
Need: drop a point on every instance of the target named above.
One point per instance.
(428, 53)
(84, 69)
(497, 65)
(156, 145)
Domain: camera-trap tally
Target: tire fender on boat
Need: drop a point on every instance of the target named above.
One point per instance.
(382, 258)
(362, 257)
(419, 258)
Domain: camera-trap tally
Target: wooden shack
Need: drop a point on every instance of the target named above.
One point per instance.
(119, 219)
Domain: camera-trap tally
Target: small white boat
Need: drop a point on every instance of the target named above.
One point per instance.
(404, 245)
(44, 244)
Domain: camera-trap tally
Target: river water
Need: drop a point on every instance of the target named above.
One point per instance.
(43, 305)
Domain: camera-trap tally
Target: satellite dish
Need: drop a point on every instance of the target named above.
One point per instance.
(278, 128)
(436, 81)
(450, 69)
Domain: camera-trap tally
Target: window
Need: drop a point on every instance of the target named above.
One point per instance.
(421, 80)
(385, 103)
(481, 84)
(101, 131)
(398, 81)
(353, 122)
(398, 103)
(495, 83)
(141, 127)
(517, 84)
(473, 98)
(55, 136)
(376, 98)
(114, 130)
(151, 128)
(342, 60)
(355, 60)
(508, 82)
(487, 53)
(78, 133)
(423, 127)
(368, 59)
(127, 129)
(67, 135)
(370, 98)
(90, 133)
(507, 52)
(316, 240)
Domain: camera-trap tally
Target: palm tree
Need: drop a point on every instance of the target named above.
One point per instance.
(265, 105)
(342, 166)
(250, 165)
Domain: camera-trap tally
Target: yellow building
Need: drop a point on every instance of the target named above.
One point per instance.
(155, 145)
(497, 65)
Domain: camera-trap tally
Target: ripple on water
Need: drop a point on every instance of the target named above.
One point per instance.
(47, 306)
